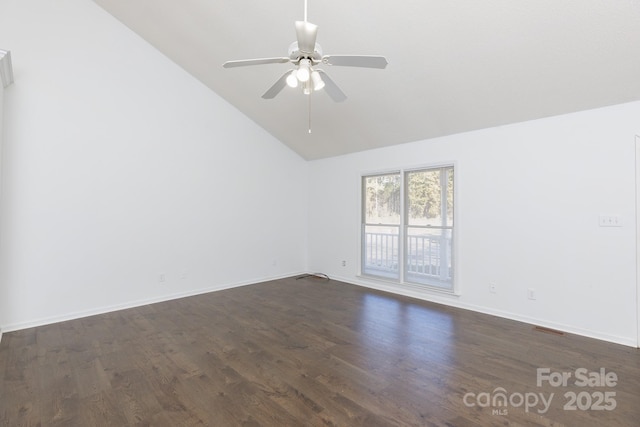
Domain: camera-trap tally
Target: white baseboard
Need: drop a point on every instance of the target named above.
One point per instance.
(132, 304)
(453, 300)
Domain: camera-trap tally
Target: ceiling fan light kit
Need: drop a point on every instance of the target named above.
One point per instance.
(305, 54)
(318, 83)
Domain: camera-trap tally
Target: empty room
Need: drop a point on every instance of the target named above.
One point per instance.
(319, 213)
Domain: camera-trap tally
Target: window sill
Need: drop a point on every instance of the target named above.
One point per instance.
(413, 287)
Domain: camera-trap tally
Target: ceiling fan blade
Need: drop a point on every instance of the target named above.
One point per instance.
(366, 61)
(332, 88)
(257, 61)
(306, 33)
(277, 87)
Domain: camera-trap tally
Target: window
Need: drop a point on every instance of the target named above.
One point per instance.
(429, 226)
(407, 226)
(381, 225)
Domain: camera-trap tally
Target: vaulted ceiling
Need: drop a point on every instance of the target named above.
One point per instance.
(454, 66)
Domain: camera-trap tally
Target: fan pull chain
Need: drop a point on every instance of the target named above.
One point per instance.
(309, 96)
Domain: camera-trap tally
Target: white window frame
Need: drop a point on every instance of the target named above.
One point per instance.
(403, 230)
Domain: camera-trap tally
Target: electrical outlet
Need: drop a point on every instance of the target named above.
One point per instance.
(531, 293)
(493, 288)
(344, 263)
(162, 278)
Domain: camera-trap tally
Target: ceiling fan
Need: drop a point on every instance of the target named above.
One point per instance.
(305, 54)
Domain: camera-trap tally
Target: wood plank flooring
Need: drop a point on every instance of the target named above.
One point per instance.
(306, 353)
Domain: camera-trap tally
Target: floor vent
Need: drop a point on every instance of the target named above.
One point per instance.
(548, 330)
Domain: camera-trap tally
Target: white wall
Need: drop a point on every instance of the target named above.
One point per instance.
(119, 166)
(2, 285)
(529, 197)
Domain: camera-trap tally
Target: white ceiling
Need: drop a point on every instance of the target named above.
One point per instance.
(454, 65)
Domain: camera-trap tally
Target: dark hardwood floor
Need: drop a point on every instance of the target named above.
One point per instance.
(309, 353)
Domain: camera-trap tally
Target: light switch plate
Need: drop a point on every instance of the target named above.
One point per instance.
(609, 221)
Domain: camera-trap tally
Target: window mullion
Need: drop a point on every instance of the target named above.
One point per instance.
(402, 231)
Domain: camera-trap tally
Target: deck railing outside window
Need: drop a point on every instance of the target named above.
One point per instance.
(428, 257)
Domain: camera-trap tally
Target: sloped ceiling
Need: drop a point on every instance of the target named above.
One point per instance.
(454, 66)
